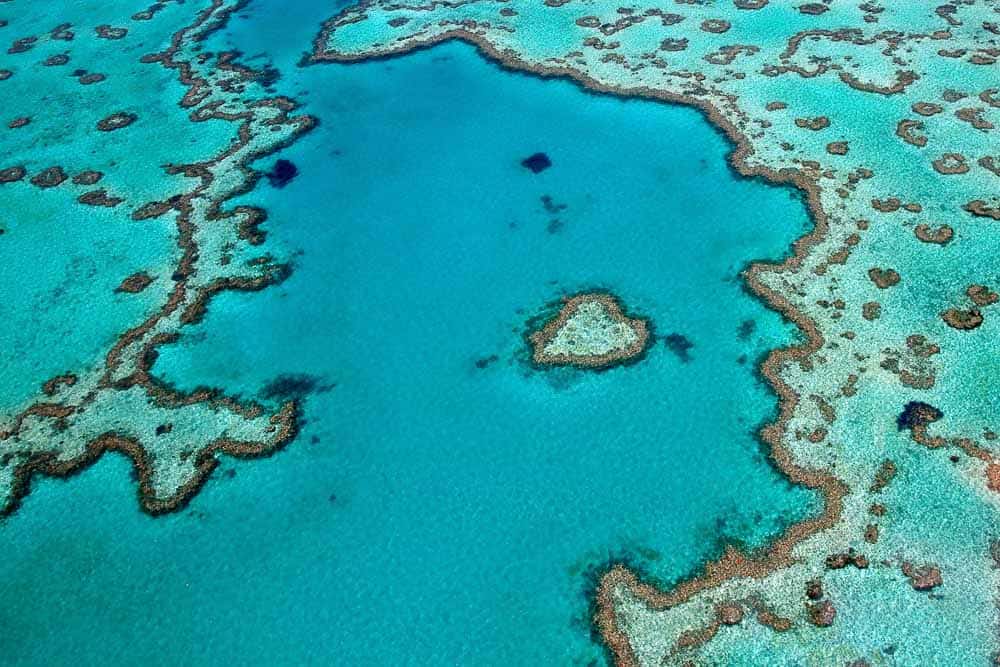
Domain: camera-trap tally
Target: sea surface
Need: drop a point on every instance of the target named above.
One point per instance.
(445, 502)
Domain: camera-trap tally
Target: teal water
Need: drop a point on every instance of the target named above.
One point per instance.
(431, 511)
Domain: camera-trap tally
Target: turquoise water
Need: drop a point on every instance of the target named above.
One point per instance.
(433, 511)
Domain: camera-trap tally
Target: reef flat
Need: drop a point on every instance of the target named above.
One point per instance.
(196, 145)
(590, 331)
(884, 115)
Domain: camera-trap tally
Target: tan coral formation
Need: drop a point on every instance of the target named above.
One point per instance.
(590, 331)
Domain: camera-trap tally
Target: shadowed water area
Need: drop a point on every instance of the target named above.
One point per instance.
(445, 502)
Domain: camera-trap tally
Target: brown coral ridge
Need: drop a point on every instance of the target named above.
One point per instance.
(50, 387)
(569, 306)
(284, 423)
(903, 79)
(48, 464)
(56, 60)
(732, 564)
(990, 164)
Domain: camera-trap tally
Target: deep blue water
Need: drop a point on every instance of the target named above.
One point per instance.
(432, 511)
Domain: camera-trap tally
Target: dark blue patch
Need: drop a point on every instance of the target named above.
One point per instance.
(283, 172)
(537, 163)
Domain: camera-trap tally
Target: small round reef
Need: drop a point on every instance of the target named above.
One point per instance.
(590, 331)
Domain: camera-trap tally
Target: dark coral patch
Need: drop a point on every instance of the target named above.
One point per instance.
(88, 177)
(674, 44)
(927, 108)
(22, 45)
(12, 174)
(88, 79)
(62, 32)
(883, 278)
(814, 8)
(939, 236)
(282, 173)
(923, 578)
(962, 320)
(982, 295)
(679, 345)
(153, 209)
(746, 329)
(950, 164)
(294, 386)
(49, 178)
(817, 123)
(537, 163)
(105, 31)
(116, 121)
(135, 283)
(56, 60)
(837, 148)
(822, 614)
(717, 26)
(979, 207)
(99, 197)
(486, 362)
(917, 414)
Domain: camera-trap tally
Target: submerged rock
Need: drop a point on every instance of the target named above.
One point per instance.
(679, 345)
(294, 385)
(283, 172)
(537, 163)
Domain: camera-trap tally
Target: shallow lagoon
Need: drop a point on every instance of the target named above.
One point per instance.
(433, 511)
